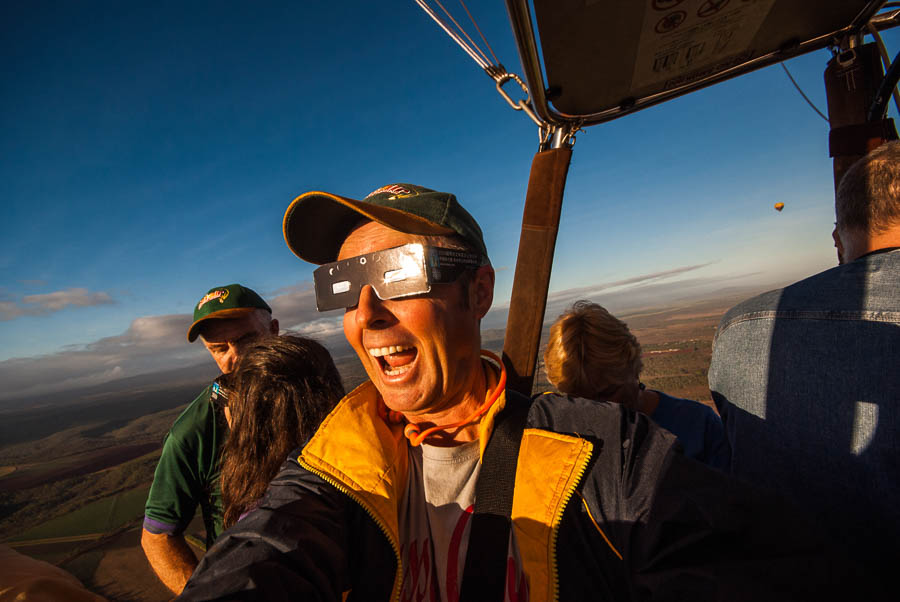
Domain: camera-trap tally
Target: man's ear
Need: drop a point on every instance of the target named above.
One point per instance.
(273, 327)
(838, 245)
(482, 290)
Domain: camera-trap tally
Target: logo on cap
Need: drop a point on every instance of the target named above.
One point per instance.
(392, 188)
(220, 294)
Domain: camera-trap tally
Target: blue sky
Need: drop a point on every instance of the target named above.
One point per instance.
(148, 152)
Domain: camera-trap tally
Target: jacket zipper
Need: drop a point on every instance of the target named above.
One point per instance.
(557, 520)
(395, 592)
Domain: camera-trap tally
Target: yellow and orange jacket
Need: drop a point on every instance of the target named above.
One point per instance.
(605, 507)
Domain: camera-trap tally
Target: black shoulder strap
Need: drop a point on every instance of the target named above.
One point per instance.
(484, 577)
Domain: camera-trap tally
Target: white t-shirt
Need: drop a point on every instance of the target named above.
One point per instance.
(434, 519)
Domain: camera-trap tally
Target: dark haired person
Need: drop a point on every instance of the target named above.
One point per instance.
(807, 378)
(281, 390)
(382, 502)
(593, 354)
(227, 319)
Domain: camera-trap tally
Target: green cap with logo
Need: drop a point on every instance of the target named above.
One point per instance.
(317, 223)
(229, 301)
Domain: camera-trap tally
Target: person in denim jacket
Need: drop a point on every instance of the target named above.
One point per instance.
(807, 378)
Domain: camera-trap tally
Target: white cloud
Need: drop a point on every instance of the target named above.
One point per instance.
(96, 378)
(45, 303)
(78, 297)
(9, 310)
(321, 328)
(162, 329)
(648, 290)
(592, 290)
(157, 343)
(150, 344)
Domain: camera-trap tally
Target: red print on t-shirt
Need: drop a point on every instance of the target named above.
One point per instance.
(453, 556)
(417, 574)
(515, 592)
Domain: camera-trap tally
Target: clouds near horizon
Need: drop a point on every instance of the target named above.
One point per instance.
(573, 294)
(149, 344)
(157, 343)
(47, 303)
(593, 289)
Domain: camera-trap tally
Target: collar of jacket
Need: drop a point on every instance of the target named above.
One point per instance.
(365, 457)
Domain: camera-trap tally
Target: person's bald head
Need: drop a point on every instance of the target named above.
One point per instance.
(867, 204)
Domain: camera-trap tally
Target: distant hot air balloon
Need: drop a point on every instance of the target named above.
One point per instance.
(779, 206)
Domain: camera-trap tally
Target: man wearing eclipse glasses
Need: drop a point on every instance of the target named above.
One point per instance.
(433, 481)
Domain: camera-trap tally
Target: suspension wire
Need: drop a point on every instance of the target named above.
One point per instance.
(885, 60)
(459, 28)
(453, 35)
(478, 29)
(495, 71)
(805, 97)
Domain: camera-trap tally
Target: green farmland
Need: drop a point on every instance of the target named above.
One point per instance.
(99, 517)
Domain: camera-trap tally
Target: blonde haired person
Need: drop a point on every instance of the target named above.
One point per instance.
(592, 354)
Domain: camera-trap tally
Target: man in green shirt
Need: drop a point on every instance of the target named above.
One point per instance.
(226, 319)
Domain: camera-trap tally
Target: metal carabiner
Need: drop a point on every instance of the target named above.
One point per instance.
(505, 77)
(523, 104)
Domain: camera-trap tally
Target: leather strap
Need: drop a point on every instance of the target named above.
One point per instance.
(484, 576)
(860, 139)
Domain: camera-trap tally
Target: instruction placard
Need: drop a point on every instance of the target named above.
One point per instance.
(685, 40)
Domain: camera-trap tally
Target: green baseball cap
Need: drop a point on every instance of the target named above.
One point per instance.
(317, 223)
(229, 301)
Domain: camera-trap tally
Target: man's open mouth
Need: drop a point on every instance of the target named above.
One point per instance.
(394, 360)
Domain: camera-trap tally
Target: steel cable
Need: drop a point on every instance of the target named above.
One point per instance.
(805, 97)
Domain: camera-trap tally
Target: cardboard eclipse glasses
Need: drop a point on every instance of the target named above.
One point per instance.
(402, 271)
